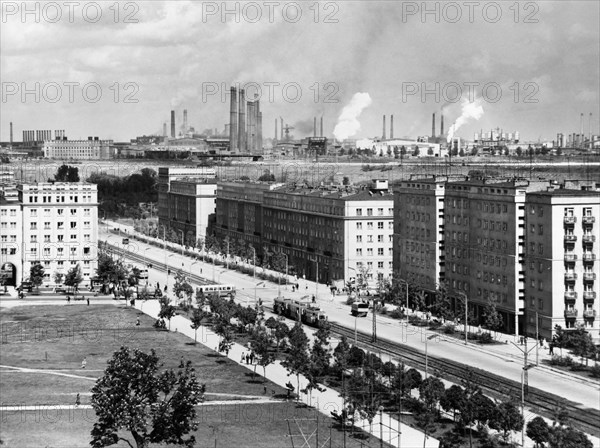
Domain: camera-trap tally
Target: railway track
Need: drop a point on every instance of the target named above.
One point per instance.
(540, 402)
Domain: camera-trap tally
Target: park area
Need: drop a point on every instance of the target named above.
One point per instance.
(51, 357)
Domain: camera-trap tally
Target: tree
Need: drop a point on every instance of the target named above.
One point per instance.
(73, 277)
(110, 270)
(58, 277)
(508, 418)
(402, 152)
(452, 400)
(581, 344)
(416, 151)
(474, 151)
(493, 319)
(430, 151)
(341, 355)
(431, 390)
(134, 276)
(519, 151)
(319, 358)
(468, 407)
(267, 177)
(560, 338)
(181, 288)
(198, 317)
(36, 275)
(154, 406)
(442, 306)
(260, 343)
(280, 332)
(167, 311)
(538, 431)
(567, 437)
(297, 359)
(66, 173)
(406, 380)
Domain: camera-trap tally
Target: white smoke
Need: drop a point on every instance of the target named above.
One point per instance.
(470, 110)
(348, 124)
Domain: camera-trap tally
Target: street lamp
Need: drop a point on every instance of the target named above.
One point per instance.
(406, 283)
(256, 286)
(182, 236)
(167, 271)
(253, 262)
(464, 296)
(147, 261)
(286, 270)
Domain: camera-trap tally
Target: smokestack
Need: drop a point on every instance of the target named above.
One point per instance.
(242, 121)
(442, 125)
(172, 124)
(433, 126)
(275, 138)
(391, 126)
(164, 129)
(250, 126)
(11, 131)
(383, 135)
(259, 144)
(185, 123)
(321, 125)
(315, 127)
(281, 122)
(589, 132)
(581, 131)
(233, 121)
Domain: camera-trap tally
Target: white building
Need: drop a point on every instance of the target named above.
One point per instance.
(381, 147)
(89, 149)
(59, 229)
(11, 230)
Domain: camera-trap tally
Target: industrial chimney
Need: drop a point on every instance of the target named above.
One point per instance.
(442, 125)
(185, 122)
(251, 125)
(581, 132)
(259, 143)
(281, 122)
(391, 126)
(233, 121)
(315, 127)
(321, 125)
(383, 135)
(433, 126)
(172, 124)
(242, 121)
(275, 138)
(11, 131)
(164, 129)
(589, 132)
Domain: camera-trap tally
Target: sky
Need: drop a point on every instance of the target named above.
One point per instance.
(533, 67)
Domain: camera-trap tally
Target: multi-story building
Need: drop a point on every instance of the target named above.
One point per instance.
(336, 232)
(55, 224)
(187, 207)
(89, 149)
(11, 227)
(419, 232)
(190, 202)
(239, 212)
(562, 267)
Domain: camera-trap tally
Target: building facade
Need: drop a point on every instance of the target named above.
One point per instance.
(55, 224)
(90, 149)
(562, 261)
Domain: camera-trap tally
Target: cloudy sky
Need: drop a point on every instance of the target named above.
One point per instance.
(539, 63)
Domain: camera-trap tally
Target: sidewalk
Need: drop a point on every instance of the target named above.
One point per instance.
(326, 401)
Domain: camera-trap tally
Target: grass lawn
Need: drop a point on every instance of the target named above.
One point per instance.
(57, 338)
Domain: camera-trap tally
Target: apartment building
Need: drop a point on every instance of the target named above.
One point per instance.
(418, 256)
(186, 199)
(562, 263)
(55, 224)
(90, 149)
(332, 233)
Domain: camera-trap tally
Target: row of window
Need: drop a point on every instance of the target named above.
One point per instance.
(59, 199)
(359, 212)
(47, 212)
(4, 212)
(380, 251)
(369, 239)
(492, 295)
(380, 225)
(59, 251)
(59, 225)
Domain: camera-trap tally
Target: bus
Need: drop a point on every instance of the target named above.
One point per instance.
(360, 309)
(221, 290)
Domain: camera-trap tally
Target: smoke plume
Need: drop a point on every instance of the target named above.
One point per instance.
(348, 123)
(470, 110)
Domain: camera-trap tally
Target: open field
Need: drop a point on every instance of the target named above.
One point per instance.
(53, 340)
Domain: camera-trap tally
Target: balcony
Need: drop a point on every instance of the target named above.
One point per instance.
(570, 238)
(570, 257)
(588, 238)
(570, 314)
(589, 314)
(589, 295)
(587, 256)
(588, 220)
(570, 295)
(589, 276)
(570, 220)
(570, 276)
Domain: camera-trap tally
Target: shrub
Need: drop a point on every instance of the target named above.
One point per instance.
(561, 360)
(449, 329)
(396, 314)
(486, 338)
(384, 310)
(595, 370)
(349, 300)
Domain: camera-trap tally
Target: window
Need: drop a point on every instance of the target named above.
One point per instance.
(86, 224)
(369, 226)
(33, 239)
(369, 238)
(33, 213)
(369, 212)
(33, 226)
(46, 238)
(380, 251)
(60, 225)
(46, 212)
(359, 238)
(73, 225)
(86, 250)
(86, 237)
(60, 211)
(541, 229)
(390, 225)
(359, 212)
(86, 212)
(370, 252)
(46, 251)
(73, 211)
(60, 237)
(380, 212)
(380, 225)
(380, 238)
(359, 226)
(73, 237)
(380, 264)
(359, 252)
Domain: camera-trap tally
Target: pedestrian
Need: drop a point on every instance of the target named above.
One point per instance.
(247, 358)
(84, 363)
(243, 356)
(165, 288)
(551, 348)
(68, 299)
(137, 322)
(264, 390)
(88, 301)
(314, 299)
(77, 400)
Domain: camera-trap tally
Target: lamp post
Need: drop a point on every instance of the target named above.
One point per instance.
(227, 256)
(406, 283)
(464, 296)
(182, 236)
(286, 270)
(253, 262)
(167, 271)
(192, 264)
(147, 262)
(256, 286)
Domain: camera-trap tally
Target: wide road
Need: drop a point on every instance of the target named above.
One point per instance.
(503, 360)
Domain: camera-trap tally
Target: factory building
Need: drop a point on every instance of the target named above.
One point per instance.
(91, 149)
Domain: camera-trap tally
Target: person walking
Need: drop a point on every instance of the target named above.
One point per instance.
(84, 363)
(77, 400)
(88, 301)
(137, 322)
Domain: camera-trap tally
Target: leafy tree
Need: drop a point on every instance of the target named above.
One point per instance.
(560, 338)
(181, 288)
(468, 407)
(341, 355)
(442, 306)
(260, 342)
(431, 390)
(508, 418)
(430, 151)
(452, 400)
(406, 380)
(267, 177)
(73, 277)
(485, 410)
(402, 151)
(297, 358)
(167, 311)
(280, 332)
(36, 275)
(493, 319)
(58, 277)
(155, 406)
(110, 270)
(356, 357)
(461, 152)
(581, 344)
(538, 431)
(416, 151)
(134, 276)
(474, 151)
(66, 173)
(320, 353)
(567, 437)
(198, 317)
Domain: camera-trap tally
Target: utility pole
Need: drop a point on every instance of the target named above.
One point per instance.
(374, 338)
